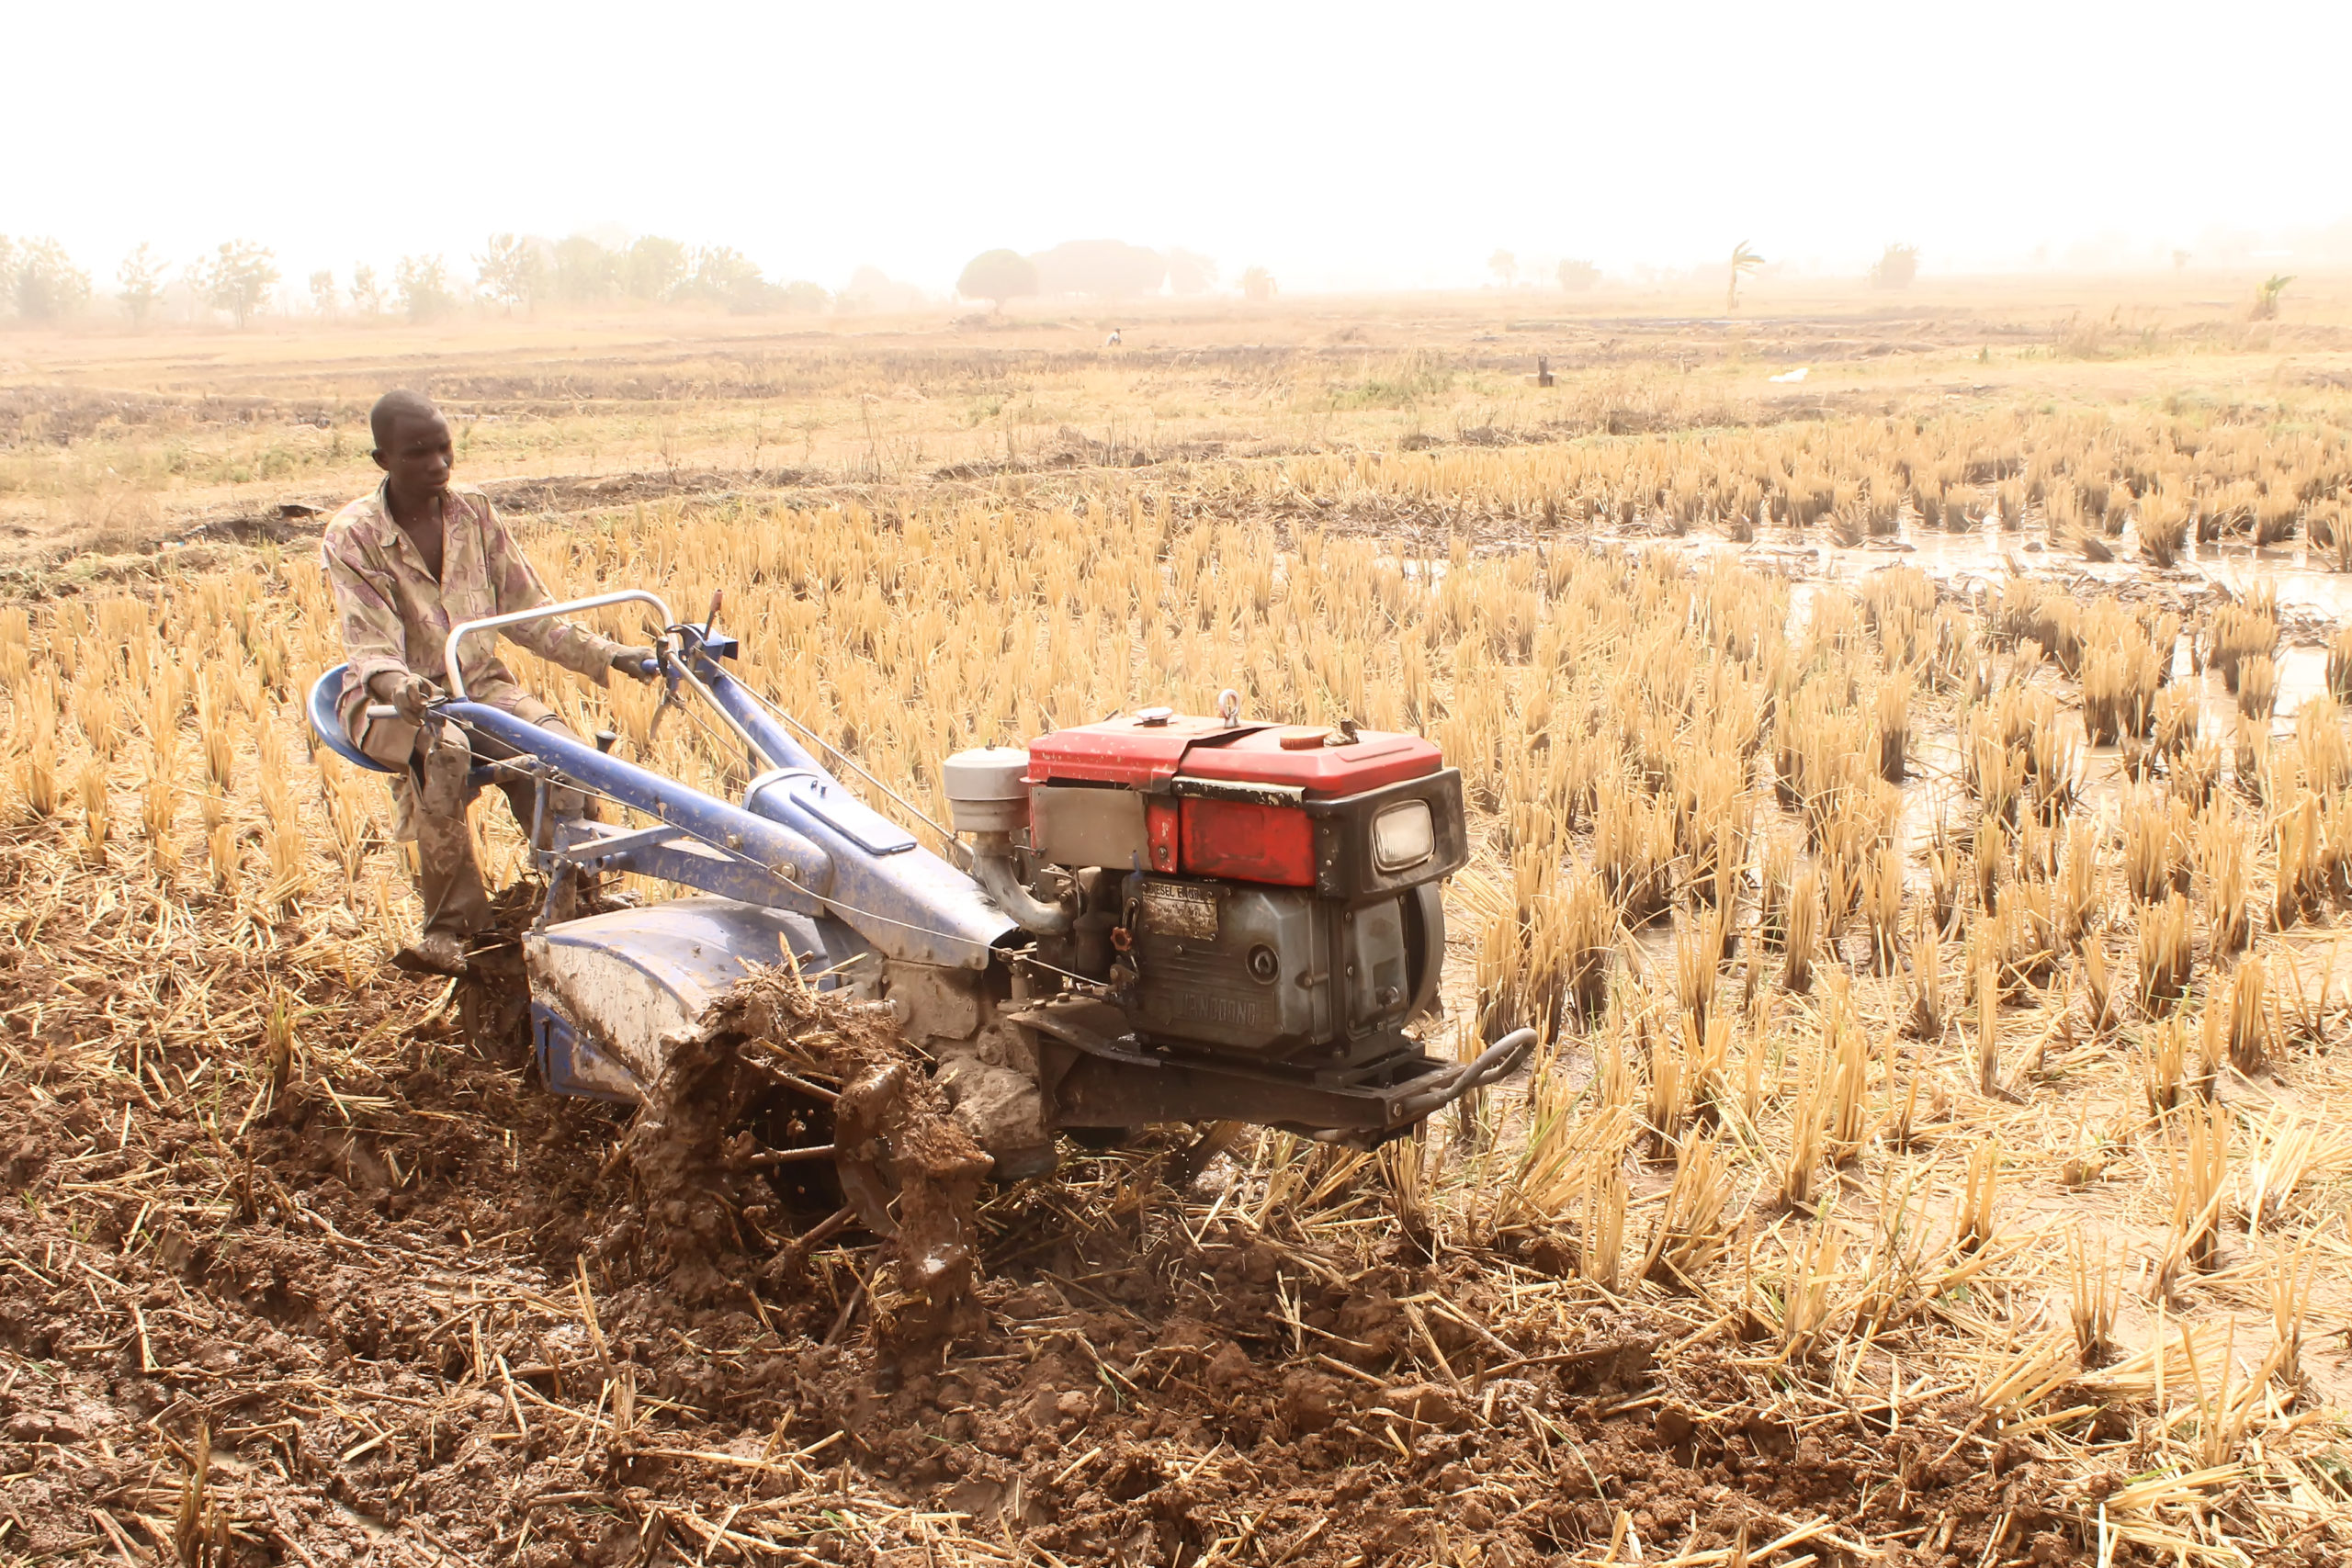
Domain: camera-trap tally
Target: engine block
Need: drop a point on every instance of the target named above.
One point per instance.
(1267, 892)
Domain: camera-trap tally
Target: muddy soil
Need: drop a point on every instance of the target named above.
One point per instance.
(414, 1315)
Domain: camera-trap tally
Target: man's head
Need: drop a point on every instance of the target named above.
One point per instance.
(412, 445)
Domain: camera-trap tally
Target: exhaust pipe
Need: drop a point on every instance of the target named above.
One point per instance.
(988, 796)
(992, 864)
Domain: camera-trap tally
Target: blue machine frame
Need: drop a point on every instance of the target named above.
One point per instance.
(805, 843)
(801, 855)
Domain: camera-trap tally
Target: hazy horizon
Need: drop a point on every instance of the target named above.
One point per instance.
(1339, 149)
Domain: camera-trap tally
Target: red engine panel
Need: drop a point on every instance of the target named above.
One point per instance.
(1140, 754)
(1247, 842)
(1123, 750)
(1323, 771)
(1163, 826)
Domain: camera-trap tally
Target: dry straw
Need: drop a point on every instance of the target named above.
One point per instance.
(2199, 1158)
(2096, 1294)
(2166, 957)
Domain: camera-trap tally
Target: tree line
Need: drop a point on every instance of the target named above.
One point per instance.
(1102, 269)
(40, 281)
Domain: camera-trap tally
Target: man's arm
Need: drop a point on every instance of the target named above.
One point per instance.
(514, 586)
(364, 611)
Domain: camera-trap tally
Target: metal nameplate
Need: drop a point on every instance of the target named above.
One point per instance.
(1178, 908)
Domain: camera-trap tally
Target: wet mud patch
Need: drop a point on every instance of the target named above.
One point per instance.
(396, 1318)
(1152, 1399)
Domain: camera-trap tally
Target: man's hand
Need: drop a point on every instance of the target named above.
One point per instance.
(412, 694)
(637, 661)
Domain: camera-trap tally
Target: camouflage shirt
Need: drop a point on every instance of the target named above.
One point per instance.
(396, 617)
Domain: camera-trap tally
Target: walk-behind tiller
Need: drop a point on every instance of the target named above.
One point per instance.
(1157, 918)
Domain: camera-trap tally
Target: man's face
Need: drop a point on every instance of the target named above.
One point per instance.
(419, 455)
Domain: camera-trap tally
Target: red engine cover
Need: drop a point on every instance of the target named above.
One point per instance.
(1122, 750)
(1127, 750)
(1247, 842)
(1244, 841)
(1274, 756)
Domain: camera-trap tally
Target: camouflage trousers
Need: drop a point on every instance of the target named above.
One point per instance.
(429, 797)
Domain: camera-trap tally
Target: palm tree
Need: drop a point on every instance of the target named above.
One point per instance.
(1743, 262)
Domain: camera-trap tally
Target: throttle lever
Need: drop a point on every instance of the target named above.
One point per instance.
(664, 654)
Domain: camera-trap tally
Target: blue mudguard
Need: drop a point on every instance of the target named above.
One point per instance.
(611, 992)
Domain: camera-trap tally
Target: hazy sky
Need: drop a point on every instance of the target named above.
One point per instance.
(1336, 145)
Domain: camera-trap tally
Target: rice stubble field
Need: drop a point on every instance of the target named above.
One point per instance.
(1913, 803)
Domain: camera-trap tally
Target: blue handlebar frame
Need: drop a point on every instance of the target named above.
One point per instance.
(326, 721)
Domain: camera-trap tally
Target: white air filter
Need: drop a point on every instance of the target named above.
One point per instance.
(988, 790)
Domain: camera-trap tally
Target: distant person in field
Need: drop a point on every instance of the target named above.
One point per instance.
(407, 562)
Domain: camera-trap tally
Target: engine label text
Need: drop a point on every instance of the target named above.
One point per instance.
(1175, 908)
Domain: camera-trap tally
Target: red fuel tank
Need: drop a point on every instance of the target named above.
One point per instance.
(1150, 750)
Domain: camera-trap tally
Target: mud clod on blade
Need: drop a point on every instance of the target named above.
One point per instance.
(714, 1209)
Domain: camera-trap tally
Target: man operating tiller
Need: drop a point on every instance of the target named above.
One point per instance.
(407, 562)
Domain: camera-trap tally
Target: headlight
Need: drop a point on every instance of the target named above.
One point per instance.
(1403, 836)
